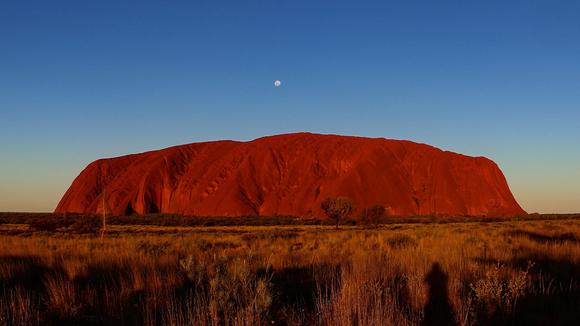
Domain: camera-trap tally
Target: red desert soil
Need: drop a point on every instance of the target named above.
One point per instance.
(290, 175)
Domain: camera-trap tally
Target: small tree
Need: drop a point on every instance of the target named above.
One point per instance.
(337, 208)
(372, 215)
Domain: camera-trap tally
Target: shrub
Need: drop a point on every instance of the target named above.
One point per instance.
(230, 288)
(44, 224)
(498, 294)
(337, 208)
(372, 215)
(86, 225)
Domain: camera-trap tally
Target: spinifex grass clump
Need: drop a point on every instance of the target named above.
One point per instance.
(232, 289)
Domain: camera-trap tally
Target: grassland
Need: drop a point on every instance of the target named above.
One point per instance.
(468, 272)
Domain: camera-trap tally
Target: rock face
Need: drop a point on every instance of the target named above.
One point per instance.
(290, 175)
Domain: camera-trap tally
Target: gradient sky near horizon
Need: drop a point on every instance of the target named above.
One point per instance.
(82, 80)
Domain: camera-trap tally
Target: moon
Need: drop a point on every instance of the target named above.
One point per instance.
(277, 83)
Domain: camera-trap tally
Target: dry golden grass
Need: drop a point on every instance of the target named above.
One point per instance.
(523, 272)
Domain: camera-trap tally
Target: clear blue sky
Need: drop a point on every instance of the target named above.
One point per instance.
(81, 80)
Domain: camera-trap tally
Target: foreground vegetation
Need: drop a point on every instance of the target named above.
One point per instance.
(512, 272)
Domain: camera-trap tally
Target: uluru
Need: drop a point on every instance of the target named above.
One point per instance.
(290, 175)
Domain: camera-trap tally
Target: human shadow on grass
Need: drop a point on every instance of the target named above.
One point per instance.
(438, 310)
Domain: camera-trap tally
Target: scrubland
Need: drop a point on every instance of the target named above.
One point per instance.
(470, 273)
